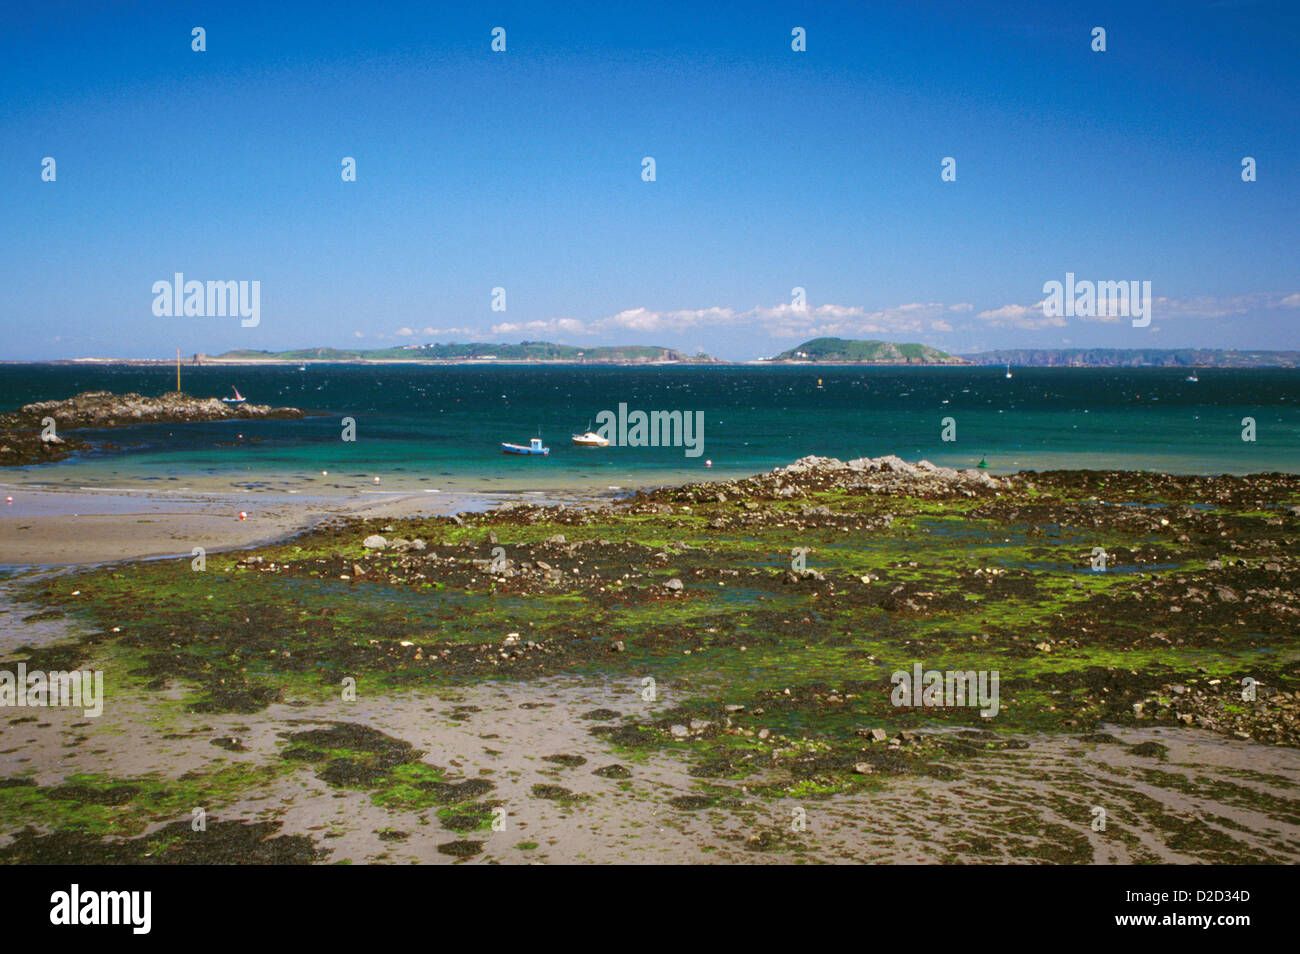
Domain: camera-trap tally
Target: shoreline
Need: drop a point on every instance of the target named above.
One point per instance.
(45, 526)
(500, 661)
(45, 529)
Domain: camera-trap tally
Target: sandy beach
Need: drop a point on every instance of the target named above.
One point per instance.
(347, 700)
(44, 527)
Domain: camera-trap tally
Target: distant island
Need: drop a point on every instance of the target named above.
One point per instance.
(846, 351)
(475, 352)
(828, 351)
(1137, 358)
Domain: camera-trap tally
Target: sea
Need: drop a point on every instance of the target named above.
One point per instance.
(440, 428)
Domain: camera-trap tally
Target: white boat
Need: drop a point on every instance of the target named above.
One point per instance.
(1193, 378)
(590, 439)
(534, 447)
(237, 399)
(1008, 370)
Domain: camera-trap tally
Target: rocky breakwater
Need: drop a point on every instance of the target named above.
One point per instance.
(27, 438)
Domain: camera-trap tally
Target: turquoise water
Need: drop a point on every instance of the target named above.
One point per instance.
(441, 427)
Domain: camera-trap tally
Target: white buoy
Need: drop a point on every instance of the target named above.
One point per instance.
(376, 480)
(243, 515)
(708, 463)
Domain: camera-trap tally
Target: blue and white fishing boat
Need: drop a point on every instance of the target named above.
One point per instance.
(534, 447)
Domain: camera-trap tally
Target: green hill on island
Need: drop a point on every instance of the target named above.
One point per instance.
(475, 351)
(846, 351)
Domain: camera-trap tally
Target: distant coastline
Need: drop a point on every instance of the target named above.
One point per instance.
(1137, 358)
(829, 352)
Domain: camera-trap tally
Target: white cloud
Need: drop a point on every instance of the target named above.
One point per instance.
(566, 326)
(1025, 317)
(785, 321)
(1199, 306)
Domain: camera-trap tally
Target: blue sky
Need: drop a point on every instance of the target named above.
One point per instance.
(522, 170)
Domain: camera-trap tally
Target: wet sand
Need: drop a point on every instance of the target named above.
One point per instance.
(1019, 806)
(1206, 798)
(42, 527)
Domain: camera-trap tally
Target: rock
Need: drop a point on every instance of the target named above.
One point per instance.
(617, 646)
(796, 576)
(864, 768)
(418, 544)
(557, 540)
(21, 444)
(674, 585)
(1227, 594)
(374, 542)
(512, 639)
(679, 732)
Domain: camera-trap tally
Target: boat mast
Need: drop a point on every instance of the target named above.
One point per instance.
(178, 370)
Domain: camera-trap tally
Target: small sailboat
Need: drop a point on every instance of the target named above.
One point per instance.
(1008, 370)
(1193, 378)
(534, 447)
(237, 399)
